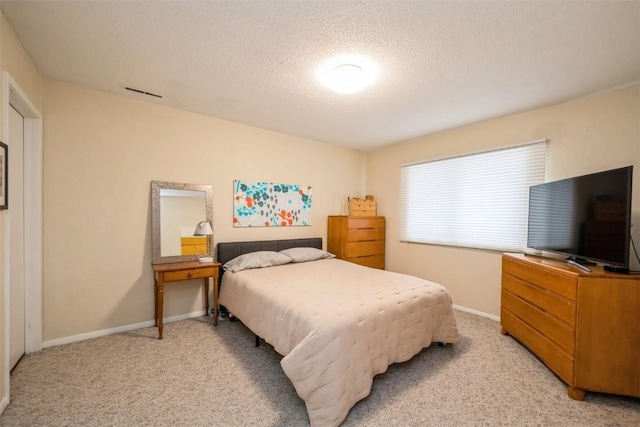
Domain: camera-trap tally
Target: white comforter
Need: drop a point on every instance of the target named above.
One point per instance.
(338, 324)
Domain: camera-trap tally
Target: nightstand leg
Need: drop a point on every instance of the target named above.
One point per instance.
(155, 302)
(215, 301)
(206, 296)
(160, 302)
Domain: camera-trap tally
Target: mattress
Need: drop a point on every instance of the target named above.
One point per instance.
(338, 324)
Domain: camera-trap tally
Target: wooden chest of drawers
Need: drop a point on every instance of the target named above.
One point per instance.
(583, 326)
(357, 239)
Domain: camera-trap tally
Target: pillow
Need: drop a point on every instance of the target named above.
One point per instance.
(256, 260)
(306, 254)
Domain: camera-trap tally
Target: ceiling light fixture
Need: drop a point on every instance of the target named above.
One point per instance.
(347, 78)
(347, 75)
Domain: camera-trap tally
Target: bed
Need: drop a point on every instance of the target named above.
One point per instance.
(336, 324)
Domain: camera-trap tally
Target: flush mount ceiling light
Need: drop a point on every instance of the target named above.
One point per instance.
(347, 75)
(346, 78)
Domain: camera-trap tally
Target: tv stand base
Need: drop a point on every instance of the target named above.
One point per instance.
(581, 261)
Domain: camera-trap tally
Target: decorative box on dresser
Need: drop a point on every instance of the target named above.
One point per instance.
(358, 239)
(584, 326)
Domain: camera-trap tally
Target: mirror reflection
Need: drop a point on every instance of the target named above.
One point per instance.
(176, 211)
(180, 213)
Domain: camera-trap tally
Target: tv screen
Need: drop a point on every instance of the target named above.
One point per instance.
(587, 218)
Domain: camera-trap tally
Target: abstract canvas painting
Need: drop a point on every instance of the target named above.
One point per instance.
(265, 204)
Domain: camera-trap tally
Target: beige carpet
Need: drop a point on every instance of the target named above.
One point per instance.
(200, 375)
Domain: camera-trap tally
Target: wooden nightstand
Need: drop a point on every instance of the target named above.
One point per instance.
(178, 271)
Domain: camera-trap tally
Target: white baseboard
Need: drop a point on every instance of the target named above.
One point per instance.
(479, 313)
(134, 326)
(125, 328)
(3, 404)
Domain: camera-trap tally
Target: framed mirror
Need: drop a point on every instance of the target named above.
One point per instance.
(176, 210)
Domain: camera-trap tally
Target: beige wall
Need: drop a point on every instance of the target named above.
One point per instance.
(15, 60)
(101, 153)
(586, 135)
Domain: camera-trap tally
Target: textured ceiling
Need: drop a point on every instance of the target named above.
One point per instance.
(442, 64)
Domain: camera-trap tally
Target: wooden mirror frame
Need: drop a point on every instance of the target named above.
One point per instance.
(156, 236)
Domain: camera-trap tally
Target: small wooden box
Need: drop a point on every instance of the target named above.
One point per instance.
(362, 207)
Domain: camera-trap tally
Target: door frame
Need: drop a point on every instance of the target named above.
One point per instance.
(15, 96)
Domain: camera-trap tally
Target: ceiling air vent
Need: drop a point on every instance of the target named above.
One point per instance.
(143, 92)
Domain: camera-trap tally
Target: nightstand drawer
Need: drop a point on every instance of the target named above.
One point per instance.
(550, 302)
(172, 276)
(545, 278)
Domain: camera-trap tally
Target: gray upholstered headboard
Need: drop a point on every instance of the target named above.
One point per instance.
(230, 250)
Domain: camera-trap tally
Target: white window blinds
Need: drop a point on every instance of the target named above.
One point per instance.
(477, 201)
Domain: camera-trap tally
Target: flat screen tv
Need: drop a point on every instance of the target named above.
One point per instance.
(586, 218)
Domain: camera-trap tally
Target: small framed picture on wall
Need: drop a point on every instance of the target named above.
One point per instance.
(4, 176)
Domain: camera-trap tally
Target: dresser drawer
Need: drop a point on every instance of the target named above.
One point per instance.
(365, 222)
(550, 302)
(560, 333)
(546, 278)
(364, 234)
(360, 249)
(172, 276)
(556, 359)
(375, 261)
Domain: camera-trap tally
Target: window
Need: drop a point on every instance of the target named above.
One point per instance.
(476, 201)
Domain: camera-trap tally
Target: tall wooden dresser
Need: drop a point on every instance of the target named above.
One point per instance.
(358, 239)
(584, 326)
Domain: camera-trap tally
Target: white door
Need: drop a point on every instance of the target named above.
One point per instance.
(15, 185)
